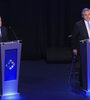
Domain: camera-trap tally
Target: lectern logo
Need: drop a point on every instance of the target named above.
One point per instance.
(10, 64)
(10, 72)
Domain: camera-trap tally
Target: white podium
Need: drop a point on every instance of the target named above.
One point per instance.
(10, 65)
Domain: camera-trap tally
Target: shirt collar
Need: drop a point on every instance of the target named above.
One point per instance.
(87, 21)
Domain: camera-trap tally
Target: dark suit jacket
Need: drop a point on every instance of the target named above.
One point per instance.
(79, 33)
(4, 34)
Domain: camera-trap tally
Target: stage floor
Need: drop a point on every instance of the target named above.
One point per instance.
(41, 81)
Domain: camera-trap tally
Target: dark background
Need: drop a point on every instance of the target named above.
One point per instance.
(41, 24)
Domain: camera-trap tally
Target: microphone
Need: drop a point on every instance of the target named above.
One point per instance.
(13, 32)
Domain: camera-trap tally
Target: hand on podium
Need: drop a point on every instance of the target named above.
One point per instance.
(75, 55)
(75, 52)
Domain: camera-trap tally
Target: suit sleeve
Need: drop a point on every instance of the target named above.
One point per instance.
(5, 34)
(75, 37)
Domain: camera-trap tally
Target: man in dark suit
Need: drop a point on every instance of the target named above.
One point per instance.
(3, 32)
(81, 31)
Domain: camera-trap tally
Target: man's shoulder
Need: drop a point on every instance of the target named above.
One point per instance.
(79, 22)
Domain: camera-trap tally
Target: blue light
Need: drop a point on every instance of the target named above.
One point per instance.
(87, 93)
(84, 93)
(11, 97)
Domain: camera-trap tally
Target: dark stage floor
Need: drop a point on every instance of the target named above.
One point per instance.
(41, 81)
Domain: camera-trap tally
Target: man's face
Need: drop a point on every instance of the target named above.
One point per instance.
(0, 22)
(86, 15)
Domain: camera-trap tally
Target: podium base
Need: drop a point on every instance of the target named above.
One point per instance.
(10, 94)
(87, 92)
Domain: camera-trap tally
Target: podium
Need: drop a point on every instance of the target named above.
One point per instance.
(85, 64)
(9, 67)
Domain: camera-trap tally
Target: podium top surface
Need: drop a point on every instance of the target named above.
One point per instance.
(10, 42)
(85, 41)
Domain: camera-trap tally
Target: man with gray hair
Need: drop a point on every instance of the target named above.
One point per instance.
(81, 31)
(3, 32)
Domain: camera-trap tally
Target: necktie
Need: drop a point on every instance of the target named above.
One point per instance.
(89, 24)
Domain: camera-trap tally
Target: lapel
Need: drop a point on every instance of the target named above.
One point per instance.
(84, 29)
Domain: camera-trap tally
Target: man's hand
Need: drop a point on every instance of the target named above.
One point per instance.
(75, 52)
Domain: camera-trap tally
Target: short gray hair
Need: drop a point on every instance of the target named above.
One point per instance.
(85, 9)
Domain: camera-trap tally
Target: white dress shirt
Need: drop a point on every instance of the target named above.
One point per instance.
(87, 27)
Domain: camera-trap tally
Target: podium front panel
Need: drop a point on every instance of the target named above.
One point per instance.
(85, 65)
(10, 60)
(88, 65)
